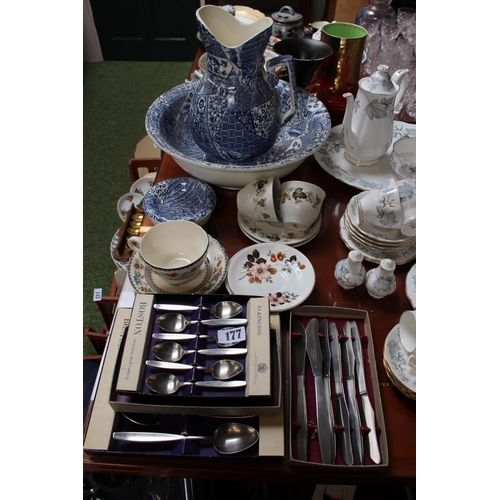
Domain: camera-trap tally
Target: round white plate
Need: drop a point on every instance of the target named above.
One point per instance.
(330, 156)
(264, 232)
(397, 361)
(125, 204)
(411, 285)
(279, 272)
(373, 255)
(210, 278)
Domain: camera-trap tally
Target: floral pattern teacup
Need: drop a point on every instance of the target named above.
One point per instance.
(300, 204)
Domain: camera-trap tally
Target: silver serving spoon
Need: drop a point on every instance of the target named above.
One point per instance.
(228, 438)
(181, 337)
(223, 369)
(176, 323)
(168, 383)
(223, 310)
(173, 351)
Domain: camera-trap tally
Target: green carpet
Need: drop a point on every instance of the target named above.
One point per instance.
(116, 97)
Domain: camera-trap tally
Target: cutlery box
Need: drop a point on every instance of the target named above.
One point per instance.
(261, 364)
(104, 420)
(339, 316)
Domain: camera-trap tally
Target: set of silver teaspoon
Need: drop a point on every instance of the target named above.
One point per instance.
(170, 352)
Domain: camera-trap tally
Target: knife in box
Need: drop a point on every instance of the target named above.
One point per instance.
(366, 409)
(313, 350)
(341, 411)
(327, 358)
(300, 360)
(355, 421)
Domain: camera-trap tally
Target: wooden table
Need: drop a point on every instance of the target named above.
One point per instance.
(324, 251)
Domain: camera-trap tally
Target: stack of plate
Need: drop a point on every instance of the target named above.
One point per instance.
(375, 243)
(399, 371)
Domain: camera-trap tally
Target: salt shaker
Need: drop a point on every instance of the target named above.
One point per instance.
(350, 272)
(381, 280)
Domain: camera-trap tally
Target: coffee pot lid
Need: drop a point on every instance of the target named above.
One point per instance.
(286, 15)
(379, 81)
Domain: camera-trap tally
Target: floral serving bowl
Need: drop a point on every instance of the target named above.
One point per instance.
(167, 124)
(180, 198)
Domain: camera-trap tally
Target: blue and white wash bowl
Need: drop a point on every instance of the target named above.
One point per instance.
(168, 126)
(180, 198)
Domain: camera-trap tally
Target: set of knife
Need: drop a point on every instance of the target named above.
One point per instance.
(345, 419)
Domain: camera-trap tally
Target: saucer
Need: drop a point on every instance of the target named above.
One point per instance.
(411, 285)
(373, 255)
(211, 276)
(120, 264)
(330, 156)
(144, 184)
(396, 365)
(264, 232)
(280, 272)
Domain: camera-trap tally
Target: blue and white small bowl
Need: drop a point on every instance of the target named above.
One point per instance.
(180, 198)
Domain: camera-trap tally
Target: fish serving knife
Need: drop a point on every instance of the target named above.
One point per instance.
(341, 411)
(366, 409)
(313, 350)
(327, 357)
(349, 363)
(300, 360)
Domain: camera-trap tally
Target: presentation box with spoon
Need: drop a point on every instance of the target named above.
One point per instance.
(184, 355)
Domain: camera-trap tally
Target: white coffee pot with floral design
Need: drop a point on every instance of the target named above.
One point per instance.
(367, 130)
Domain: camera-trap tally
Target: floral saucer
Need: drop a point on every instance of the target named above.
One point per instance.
(330, 156)
(265, 232)
(371, 254)
(144, 184)
(125, 204)
(411, 285)
(396, 365)
(277, 271)
(209, 279)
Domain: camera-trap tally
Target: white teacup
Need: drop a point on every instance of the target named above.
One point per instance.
(260, 200)
(300, 204)
(380, 206)
(403, 158)
(174, 250)
(408, 199)
(408, 335)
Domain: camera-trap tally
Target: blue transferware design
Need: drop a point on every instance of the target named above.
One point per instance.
(179, 198)
(235, 112)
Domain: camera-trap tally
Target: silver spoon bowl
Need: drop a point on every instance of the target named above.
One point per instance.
(228, 438)
(222, 310)
(170, 351)
(175, 322)
(224, 369)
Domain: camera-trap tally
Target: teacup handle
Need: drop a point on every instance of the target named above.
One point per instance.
(134, 242)
(412, 360)
(273, 79)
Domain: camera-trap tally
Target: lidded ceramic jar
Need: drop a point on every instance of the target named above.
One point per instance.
(350, 272)
(381, 280)
(288, 23)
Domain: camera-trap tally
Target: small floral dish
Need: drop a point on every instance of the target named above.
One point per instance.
(180, 198)
(279, 272)
(125, 204)
(143, 185)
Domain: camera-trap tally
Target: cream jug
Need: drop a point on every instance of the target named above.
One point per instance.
(236, 113)
(367, 130)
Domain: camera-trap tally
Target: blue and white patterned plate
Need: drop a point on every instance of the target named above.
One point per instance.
(330, 156)
(167, 124)
(396, 365)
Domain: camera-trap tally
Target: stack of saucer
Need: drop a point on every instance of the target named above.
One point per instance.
(399, 371)
(375, 242)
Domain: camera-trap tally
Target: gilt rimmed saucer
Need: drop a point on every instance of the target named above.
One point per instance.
(211, 276)
(403, 375)
(411, 285)
(372, 254)
(265, 232)
(279, 272)
(330, 156)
